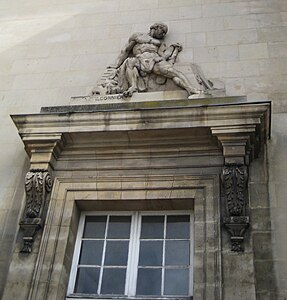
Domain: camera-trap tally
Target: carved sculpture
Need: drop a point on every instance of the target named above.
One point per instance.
(234, 181)
(145, 55)
(38, 184)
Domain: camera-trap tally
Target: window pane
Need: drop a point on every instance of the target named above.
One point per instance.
(87, 280)
(91, 253)
(177, 253)
(149, 282)
(95, 227)
(150, 253)
(116, 253)
(152, 227)
(163, 256)
(113, 281)
(178, 227)
(119, 227)
(176, 282)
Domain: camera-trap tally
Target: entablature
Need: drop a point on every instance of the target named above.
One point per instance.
(222, 136)
(240, 128)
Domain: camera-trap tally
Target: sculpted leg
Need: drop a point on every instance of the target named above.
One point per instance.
(167, 70)
(184, 83)
(132, 75)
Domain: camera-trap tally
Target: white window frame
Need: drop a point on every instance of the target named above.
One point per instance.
(133, 255)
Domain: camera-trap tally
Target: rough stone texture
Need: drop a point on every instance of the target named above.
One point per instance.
(51, 275)
(262, 235)
(277, 193)
(146, 63)
(52, 50)
(113, 159)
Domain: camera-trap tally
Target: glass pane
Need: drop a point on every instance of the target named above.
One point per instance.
(114, 281)
(178, 227)
(152, 227)
(150, 253)
(119, 227)
(87, 280)
(95, 227)
(176, 282)
(149, 282)
(91, 253)
(177, 253)
(116, 253)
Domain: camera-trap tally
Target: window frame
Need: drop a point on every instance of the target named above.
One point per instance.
(133, 254)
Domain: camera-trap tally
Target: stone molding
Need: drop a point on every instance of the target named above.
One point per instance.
(234, 180)
(111, 157)
(38, 183)
(72, 195)
(240, 130)
(236, 226)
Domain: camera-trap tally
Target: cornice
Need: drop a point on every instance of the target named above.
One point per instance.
(225, 115)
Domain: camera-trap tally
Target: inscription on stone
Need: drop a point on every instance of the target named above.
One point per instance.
(100, 98)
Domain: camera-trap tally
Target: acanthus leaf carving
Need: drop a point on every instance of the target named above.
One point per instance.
(38, 183)
(234, 181)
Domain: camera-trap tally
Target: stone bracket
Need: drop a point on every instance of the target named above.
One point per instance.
(236, 226)
(240, 129)
(29, 232)
(234, 181)
(38, 184)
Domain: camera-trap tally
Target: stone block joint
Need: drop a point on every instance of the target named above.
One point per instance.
(234, 181)
(38, 184)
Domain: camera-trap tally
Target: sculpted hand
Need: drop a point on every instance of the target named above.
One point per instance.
(178, 46)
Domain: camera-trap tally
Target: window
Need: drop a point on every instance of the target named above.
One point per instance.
(134, 254)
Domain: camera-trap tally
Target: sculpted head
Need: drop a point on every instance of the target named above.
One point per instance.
(158, 30)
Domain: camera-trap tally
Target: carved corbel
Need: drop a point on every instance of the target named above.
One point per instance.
(38, 184)
(234, 181)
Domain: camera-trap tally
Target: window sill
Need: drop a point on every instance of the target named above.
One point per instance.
(89, 297)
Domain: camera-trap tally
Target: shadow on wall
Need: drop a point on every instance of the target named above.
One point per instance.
(51, 51)
(48, 54)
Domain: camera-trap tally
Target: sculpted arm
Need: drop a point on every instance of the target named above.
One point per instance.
(125, 51)
(171, 52)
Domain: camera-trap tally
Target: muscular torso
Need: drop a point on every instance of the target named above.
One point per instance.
(145, 43)
(142, 48)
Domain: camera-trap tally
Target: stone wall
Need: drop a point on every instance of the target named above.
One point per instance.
(52, 50)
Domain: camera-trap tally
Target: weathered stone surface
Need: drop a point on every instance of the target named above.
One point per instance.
(261, 218)
(146, 63)
(241, 284)
(265, 276)
(262, 242)
(178, 141)
(138, 101)
(88, 35)
(258, 195)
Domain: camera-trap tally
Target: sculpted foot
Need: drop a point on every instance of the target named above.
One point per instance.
(198, 94)
(129, 92)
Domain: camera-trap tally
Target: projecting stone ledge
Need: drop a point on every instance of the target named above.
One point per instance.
(239, 129)
(140, 101)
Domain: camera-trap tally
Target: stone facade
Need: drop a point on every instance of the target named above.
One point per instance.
(171, 156)
(53, 50)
